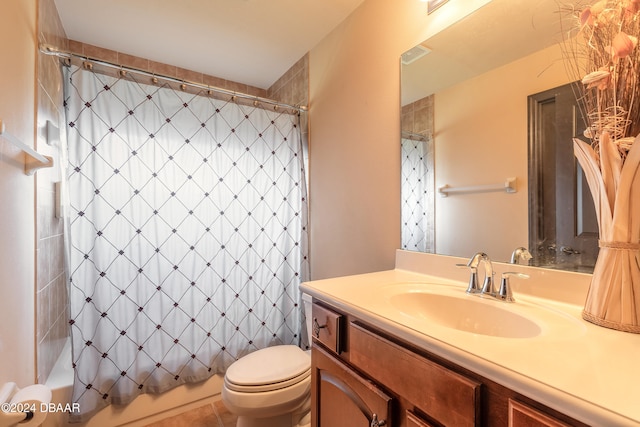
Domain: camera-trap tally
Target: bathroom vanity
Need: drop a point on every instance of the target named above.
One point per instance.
(405, 348)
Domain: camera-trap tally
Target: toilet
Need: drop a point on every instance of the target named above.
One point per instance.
(270, 387)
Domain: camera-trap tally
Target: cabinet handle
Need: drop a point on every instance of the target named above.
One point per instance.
(317, 327)
(375, 422)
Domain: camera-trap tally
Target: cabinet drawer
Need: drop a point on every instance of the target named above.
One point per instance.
(327, 327)
(446, 396)
(415, 421)
(521, 415)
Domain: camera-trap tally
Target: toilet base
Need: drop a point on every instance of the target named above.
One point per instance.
(286, 407)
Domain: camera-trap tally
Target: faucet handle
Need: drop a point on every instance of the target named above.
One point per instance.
(473, 287)
(520, 254)
(504, 293)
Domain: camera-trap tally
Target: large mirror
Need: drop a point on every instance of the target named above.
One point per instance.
(467, 99)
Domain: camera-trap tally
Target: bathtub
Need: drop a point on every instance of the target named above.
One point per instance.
(146, 409)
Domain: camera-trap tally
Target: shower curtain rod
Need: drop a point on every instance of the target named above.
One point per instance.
(54, 51)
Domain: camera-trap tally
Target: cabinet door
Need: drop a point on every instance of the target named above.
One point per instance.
(343, 398)
(521, 415)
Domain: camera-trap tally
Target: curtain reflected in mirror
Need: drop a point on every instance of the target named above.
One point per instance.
(418, 176)
(417, 192)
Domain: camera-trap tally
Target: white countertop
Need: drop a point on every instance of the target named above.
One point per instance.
(585, 371)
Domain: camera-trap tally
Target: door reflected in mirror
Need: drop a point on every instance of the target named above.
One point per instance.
(468, 96)
(563, 228)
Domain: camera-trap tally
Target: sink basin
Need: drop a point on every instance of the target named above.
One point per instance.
(425, 305)
(466, 313)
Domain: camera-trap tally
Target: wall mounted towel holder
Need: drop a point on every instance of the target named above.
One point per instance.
(509, 186)
(33, 159)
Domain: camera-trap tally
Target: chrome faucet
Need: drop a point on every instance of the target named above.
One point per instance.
(472, 265)
(521, 254)
(504, 291)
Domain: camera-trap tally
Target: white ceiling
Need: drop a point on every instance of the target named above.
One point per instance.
(248, 41)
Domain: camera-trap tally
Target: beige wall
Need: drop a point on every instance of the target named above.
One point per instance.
(17, 83)
(355, 133)
(481, 138)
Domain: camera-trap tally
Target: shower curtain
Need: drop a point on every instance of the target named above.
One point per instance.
(186, 236)
(417, 193)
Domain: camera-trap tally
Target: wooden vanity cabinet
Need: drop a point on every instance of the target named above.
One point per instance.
(363, 377)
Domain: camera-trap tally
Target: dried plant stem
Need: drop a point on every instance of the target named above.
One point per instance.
(612, 107)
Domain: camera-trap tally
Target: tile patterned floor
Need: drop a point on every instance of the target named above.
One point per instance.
(211, 415)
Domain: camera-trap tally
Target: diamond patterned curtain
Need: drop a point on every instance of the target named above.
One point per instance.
(417, 195)
(186, 237)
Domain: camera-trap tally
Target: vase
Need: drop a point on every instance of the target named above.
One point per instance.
(613, 299)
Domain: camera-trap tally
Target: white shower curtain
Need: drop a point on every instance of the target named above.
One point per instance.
(186, 238)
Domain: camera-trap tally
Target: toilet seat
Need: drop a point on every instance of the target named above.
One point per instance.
(269, 369)
(267, 387)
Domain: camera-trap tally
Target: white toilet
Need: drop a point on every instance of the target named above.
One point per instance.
(270, 388)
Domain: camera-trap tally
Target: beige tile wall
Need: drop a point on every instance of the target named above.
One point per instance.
(52, 299)
(417, 117)
(293, 88)
(159, 68)
(51, 292)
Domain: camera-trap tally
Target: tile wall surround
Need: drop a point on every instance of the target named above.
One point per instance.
(417, 117)
(293, 88)
(119, 58)
(52, 303)
(51, 293)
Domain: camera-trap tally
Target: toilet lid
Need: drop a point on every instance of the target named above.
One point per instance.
(269, 366)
